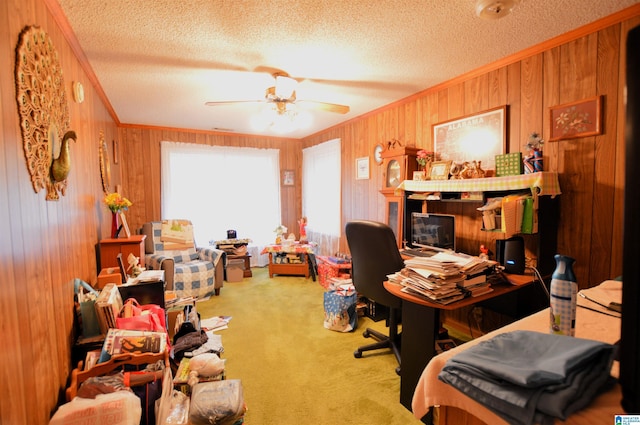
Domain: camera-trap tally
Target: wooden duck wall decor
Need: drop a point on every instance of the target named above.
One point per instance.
(44, 112)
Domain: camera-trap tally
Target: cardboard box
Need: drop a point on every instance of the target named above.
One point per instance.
(109, 275)
(235, 274)
(509, 164)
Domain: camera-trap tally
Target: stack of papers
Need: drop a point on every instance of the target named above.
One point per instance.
(439, 278)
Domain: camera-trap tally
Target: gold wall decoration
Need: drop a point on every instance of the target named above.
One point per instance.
(105, 166)
(44, 112)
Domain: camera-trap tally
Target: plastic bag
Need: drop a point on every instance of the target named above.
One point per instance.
(173, 405)
(340, 311)
(118, 408)
(133, 316)
(86, 298)
(217, 402)
(207, 364)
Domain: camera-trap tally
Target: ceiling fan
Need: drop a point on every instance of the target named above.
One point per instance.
(283, 94)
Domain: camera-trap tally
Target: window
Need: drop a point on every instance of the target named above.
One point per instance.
(220, 188)
(321, 194)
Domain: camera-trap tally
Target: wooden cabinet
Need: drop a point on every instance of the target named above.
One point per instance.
(110, 248)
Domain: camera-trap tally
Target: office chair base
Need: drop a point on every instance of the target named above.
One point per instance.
(383, 341)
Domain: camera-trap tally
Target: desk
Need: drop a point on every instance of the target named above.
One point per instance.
(420, 325)
(430, 391)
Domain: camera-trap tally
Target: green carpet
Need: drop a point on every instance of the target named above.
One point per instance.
(293, 370)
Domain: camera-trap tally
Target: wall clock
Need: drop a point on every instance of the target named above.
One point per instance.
(398, 165)
(377, 153)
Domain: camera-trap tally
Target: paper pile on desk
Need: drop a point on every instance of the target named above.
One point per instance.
(530, 377)
(438, 277)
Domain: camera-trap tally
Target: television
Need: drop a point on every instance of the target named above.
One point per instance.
(630, 327)
(433, 231)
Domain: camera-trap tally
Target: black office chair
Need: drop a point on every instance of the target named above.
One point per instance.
(375, 255)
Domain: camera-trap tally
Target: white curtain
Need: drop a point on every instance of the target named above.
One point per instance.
(321, 195)
(222, 188)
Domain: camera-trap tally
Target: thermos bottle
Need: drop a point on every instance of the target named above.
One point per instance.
(563, 294)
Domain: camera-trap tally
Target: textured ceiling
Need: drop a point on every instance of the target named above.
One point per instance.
(159, 61)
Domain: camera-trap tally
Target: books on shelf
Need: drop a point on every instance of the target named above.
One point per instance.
(108, 305)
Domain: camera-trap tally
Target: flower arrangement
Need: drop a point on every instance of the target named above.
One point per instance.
(116, 202)
(423, 157)
(535, 142)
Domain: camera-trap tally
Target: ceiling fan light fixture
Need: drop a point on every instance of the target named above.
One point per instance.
(280, 117)
(285, 86)
(495, 9)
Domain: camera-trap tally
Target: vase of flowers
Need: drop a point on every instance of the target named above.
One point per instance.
(116, 204)
(424, 159)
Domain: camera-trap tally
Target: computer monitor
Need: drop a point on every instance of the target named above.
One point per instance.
(433, 230)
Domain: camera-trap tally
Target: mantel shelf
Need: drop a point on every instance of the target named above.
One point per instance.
(546, 182)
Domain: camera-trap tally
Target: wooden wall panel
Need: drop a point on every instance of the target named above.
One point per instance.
(47, 244)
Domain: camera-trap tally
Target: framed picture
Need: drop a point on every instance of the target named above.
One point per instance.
(440, 170)
(124, 224)
(362, 168)
(477, 137)
(576, 119)
(123, 271)
(419, 175)
(288, 178)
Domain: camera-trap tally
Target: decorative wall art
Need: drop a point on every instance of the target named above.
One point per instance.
(43, 111)
(287, 178)
(105, 167)
(576, 119)
(362, 168)
(477, 137)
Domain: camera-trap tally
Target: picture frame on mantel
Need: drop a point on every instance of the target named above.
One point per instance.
(475, 137)
(572, 120)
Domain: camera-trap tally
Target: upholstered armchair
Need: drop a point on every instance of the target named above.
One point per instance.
(189, 270)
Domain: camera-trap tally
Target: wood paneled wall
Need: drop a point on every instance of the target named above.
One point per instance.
(590, 169)
(47, 244)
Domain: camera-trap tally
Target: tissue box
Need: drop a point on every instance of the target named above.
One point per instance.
(509, 164)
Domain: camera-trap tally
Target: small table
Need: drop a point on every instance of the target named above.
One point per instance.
(280, 257)
(247, 263)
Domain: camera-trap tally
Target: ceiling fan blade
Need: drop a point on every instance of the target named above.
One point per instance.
(228, 102)
(329, 107)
